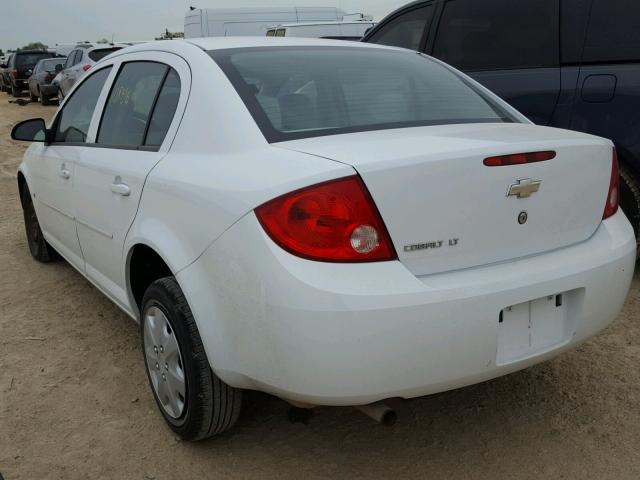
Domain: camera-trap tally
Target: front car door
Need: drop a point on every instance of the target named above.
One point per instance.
(136, 127)
(511, 47)
(52, 168)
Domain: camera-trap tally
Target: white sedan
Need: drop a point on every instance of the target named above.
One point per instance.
(333, 224)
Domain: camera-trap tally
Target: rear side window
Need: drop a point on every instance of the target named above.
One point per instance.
(164, 110)
(406, 30)
(75, 118)
(614, 31)
(499, 34)
(97, 55)
(128, 108)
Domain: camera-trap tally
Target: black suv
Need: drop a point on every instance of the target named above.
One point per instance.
(20, 68)
(564, 63)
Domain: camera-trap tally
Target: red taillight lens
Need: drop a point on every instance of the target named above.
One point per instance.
(335, 221)
(86, 67)
(14, 73)
(519, 159)
(613, 197)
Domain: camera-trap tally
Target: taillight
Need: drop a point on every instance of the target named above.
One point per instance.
(335, 221)
(49, 77)
(86, 67)
(519, 159)
(13, 73)
(613, 197)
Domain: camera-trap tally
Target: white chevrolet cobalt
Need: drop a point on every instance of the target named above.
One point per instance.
(333, 224)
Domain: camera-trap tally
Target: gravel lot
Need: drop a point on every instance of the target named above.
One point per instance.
(74, 400)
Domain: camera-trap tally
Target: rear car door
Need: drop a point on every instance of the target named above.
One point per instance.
(512, 48)
(52, 168)
(138, 123)
(66, 76)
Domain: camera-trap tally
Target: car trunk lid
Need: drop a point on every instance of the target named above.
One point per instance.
(445, 210)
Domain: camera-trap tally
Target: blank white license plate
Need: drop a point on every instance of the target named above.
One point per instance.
(532, 327)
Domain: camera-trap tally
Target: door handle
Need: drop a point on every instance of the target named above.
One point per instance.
(121, 188)
(64, 173)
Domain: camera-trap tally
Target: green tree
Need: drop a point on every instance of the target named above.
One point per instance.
(1, 53)
(34, 46)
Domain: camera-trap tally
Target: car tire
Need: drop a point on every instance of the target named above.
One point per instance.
(209, 406)
(44, 101)
(38, 246)
(630, 198)
(15, 92)
(32, 97)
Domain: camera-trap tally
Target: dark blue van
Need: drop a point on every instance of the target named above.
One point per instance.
(564, 63)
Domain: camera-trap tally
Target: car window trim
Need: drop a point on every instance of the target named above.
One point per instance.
(153, 107)
(155, 104)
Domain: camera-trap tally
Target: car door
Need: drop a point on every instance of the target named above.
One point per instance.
(52, 168)
(66, 75)
(137, 125)
(512, 48)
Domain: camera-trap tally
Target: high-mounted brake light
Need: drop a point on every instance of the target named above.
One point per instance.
(519, 159)
(613, 197)
(335, 221)
(86, 67)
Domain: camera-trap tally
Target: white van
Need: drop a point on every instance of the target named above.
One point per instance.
(334, 30)
(225, 22)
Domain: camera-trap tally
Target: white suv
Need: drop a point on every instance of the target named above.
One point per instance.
(331, 223)
(79, 61)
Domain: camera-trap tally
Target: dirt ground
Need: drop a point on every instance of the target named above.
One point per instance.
(74, 399)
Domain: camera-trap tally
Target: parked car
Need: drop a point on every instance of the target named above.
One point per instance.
(332, 30)
(20, 68)
(229, 22)
(333, 223)
(40, 86)
(563, 63)
(4, 74)
(79, 61)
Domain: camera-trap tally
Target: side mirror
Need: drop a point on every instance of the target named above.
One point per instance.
(28, 73)
(58, 68)
(34, 130)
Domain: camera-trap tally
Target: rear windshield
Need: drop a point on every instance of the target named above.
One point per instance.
(50, 65)
(29, 60)
(301, 92)
(97, 55)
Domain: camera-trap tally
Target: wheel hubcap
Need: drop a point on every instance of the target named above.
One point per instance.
(164, 362)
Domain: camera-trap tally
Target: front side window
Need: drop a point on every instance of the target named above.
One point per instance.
(406, 30)
(72, 124)
(499, 34)
(128, 108)
(299, 92)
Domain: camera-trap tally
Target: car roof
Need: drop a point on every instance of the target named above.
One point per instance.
(311, 24)
(221, 43)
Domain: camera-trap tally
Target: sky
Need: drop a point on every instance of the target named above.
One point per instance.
(66, 21)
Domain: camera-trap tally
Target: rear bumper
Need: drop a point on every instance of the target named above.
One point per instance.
(332, 334)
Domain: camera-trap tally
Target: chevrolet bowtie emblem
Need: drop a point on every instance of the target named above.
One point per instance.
(524, 188)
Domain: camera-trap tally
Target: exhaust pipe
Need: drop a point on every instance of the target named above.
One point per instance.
(380, 412)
